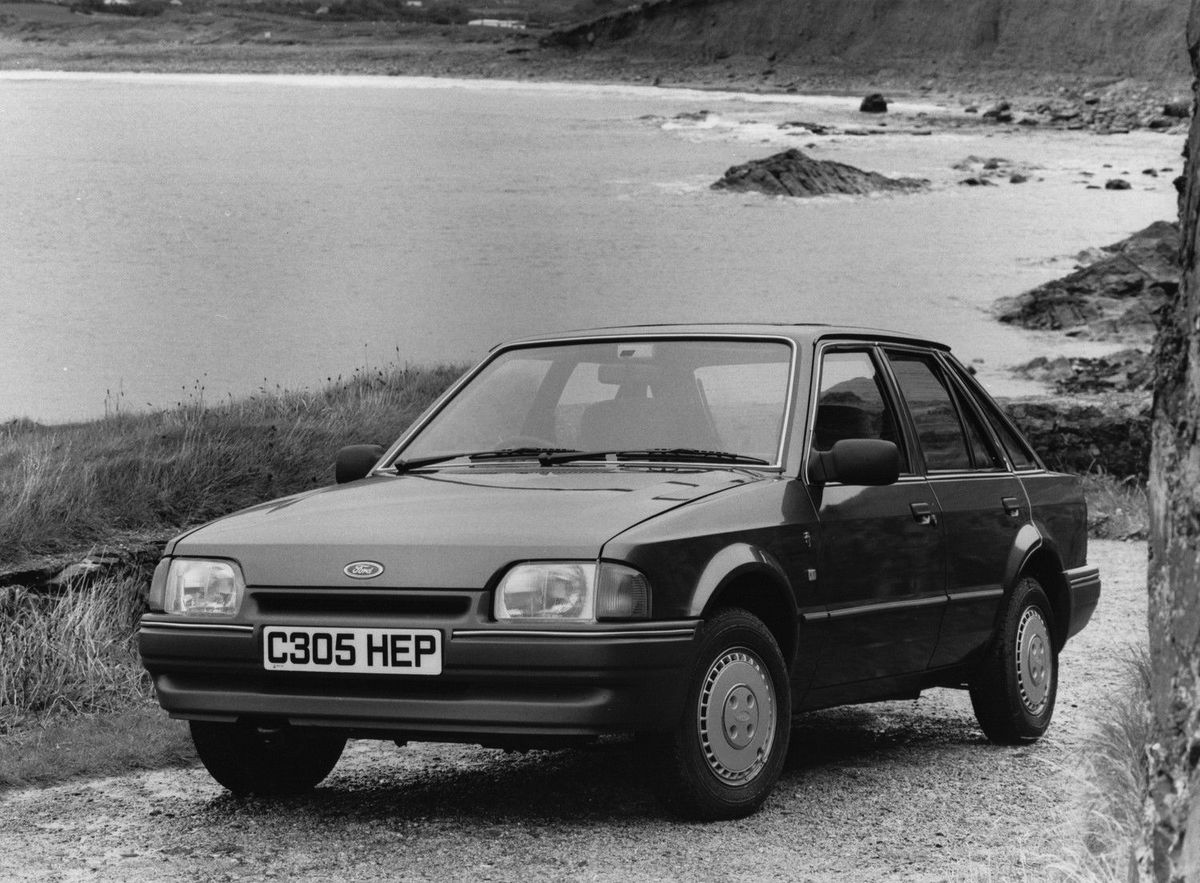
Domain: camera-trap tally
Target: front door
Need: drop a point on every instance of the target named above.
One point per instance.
(882, 549)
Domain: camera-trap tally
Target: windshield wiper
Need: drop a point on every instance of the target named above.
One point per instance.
(552, 456)
(418, 462)
(656, 454)
(542, 454)
(503, 453)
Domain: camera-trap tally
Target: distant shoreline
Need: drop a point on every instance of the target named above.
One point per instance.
(221, 39)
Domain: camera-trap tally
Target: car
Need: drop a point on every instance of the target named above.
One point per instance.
(683, 534)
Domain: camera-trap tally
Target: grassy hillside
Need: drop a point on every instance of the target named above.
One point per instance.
(68, 487)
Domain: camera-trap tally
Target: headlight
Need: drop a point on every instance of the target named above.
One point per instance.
(568, 590)
(196, 587)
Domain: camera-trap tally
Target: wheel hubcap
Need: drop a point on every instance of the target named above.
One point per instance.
(736, 716)
(1034, 660)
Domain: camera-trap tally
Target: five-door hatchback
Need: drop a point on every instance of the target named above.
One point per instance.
(687, 533)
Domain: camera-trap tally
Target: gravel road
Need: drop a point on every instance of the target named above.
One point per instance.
(898, 790)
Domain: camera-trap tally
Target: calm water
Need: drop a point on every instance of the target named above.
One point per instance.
(159, 232)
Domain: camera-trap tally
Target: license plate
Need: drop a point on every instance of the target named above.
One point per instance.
(361, 651)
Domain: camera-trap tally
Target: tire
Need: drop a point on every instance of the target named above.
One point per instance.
(249, 761)
(1014, 689)
(725, 754)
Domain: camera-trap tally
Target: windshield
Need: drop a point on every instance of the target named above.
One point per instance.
(624, 395)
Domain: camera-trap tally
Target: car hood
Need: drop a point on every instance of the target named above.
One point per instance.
(447, 529)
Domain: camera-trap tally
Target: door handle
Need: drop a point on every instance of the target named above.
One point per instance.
(923, 513)
(1012, 506)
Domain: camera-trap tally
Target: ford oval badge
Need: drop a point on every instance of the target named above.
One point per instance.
(363, 569)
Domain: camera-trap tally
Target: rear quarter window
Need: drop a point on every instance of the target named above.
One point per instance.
(1019, 452)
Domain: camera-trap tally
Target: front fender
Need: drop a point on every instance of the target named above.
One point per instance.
(737, 561)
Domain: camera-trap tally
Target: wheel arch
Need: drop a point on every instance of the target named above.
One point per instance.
(1041, 561)
(749, 577)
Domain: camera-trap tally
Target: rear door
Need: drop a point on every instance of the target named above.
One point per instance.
(983, 504)
(882, 549)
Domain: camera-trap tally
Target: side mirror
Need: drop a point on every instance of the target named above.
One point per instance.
(355, 461)
(865, 461)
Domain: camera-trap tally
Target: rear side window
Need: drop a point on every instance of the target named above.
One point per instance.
(952, 438)
(1018, 452)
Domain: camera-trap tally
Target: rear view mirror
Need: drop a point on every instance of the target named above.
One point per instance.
(865, 461)
(356, 461)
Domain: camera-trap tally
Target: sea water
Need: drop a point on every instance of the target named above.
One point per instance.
(166, 234)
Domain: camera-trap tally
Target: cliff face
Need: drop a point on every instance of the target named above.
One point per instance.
(1120, 38)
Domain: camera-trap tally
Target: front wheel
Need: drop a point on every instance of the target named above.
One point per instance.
(247, 760)
(1014, 689)
(727, 751)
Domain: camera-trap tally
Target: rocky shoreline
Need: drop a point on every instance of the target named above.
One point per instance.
(1099, 417)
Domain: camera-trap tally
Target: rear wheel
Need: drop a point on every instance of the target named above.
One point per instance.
(249, 760)
(1013, 691)
(724, 756)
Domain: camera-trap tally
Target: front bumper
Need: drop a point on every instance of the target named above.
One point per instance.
(496, 683)
(1083, 587)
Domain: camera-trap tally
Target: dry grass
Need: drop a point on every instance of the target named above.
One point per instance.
(1111, 781)
(69, 487)
(1117, 507)
(72, 653)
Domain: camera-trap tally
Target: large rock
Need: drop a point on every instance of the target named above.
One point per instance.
(794, 173)
(56, 574)
(873, 103)
(1180, 110)
(1109, 434)
(1118, 296)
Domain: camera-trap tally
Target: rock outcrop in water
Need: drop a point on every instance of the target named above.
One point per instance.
(1116, 296)
(794, 173)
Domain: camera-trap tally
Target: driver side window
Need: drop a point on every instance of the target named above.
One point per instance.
(852, 404)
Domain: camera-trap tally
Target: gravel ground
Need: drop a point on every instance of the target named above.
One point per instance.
(897, 791)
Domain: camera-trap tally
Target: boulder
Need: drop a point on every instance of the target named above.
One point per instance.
(1117, 184)
(999, 113)
(57, 574)
(794, 173)
(873, 103)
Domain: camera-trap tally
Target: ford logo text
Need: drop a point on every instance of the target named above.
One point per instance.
(363, 569)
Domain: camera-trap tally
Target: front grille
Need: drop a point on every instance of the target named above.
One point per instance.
(383, 602)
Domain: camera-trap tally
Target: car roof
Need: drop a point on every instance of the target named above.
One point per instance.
(801, 333)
